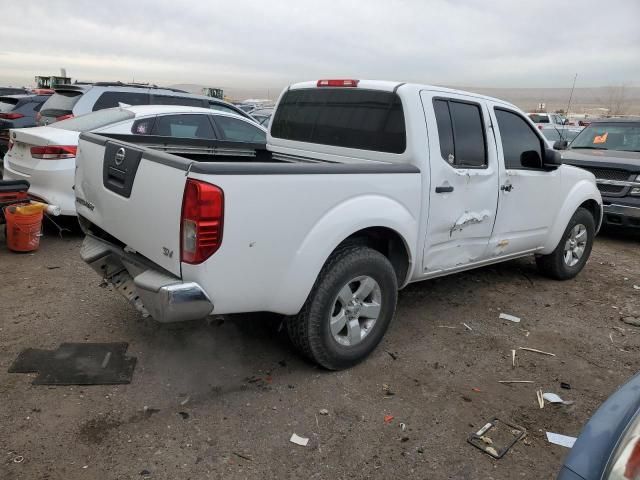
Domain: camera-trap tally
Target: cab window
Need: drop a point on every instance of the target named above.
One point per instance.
(518, 141)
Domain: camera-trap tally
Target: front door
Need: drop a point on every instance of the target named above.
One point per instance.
(464, 178)
(529, 194)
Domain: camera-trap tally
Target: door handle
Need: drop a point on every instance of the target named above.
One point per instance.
(444, 189)
(506, 188)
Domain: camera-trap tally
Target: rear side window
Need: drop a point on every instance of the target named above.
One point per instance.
(175, 100)
(60, 103)
(112, 99)
(94, 120)
(184, 126)
(535, 118)
(352, 118)
(236, 130)
(517, 137)
(461, 133)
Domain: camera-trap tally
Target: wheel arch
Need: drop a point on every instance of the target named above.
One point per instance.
(583, 194)
(379, 222)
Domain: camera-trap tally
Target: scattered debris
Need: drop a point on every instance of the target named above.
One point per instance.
(496, 437)
(562, 440)
(387, 390)
(18, 459)
(403, 426)
(535, 350)
(565, 385)
(185, 401)
(446, 326)
(513, 359)
(246, 457)
(540, 397)
(393, 355)
(635, 321)
(515, 381)
(636, 287)
(54, 267)
(476, 389)
(388, 418)
(184, 415)
(554, 398)
(511, 318)
(324, 411)
(467, 327)
(302, 441)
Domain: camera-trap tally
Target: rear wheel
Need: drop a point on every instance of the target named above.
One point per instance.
(348, 310)
(572, 253)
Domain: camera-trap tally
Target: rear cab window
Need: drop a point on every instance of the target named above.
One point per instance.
(461, 133)
(61, 103)
(342, 117)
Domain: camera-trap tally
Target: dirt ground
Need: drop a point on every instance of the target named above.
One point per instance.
(230, 393)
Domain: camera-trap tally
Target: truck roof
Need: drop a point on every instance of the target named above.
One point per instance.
(390, 86)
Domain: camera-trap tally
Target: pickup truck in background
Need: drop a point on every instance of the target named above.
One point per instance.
(610, 149)
(363, 187)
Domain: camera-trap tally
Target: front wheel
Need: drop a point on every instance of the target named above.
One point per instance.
(572, 253)
(348, 310)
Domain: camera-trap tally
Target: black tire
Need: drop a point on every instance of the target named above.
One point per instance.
(554, 264)
(310, 330)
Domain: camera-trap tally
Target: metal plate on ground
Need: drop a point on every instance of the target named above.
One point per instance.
(496, 437)
(77, 364)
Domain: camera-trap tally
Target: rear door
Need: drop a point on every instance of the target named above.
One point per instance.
(464, 181)
(137, 200)
(529, 194)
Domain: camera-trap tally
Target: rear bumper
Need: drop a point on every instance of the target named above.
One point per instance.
(165, 297)
(622, 215)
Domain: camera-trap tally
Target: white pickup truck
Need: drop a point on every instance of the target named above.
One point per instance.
(362, 188)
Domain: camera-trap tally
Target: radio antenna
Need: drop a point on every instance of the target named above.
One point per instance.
(569, 103)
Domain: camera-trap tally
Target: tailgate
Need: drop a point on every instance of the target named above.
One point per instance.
(136, 199)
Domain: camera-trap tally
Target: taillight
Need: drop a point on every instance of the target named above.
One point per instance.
(338, 83)
(11, 116)
(201, 222)
(64, 117)
(54, 152)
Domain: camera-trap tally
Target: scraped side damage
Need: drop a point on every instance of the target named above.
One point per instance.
(469, 218)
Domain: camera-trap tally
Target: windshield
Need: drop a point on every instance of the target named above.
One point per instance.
(93, 120)
(539, 118)
(563, 134)
(609, 136)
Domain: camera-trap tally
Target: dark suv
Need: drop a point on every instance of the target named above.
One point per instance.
(78, 99)
(610, 149)
(18, 111)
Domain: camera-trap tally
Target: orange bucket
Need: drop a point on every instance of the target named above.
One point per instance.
(23, 231)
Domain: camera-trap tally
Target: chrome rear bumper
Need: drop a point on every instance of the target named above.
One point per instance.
(165, 297)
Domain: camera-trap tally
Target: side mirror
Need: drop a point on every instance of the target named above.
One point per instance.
(530, 159)
(552, 158)
(560, 145)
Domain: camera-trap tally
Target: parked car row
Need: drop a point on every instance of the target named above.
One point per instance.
(19, 111)
(45, 156)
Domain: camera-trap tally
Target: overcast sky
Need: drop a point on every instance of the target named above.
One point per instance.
(247, 44)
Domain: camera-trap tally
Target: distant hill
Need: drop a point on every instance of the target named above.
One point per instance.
(621, 100)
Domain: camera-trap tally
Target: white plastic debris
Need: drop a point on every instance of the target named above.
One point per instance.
(562, 440)
(552, 397)
(636, 287)
(299, 440)
(511, 318)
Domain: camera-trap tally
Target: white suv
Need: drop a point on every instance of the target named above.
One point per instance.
(78, 99)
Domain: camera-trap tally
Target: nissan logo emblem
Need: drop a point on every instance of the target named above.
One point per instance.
(119, 158)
